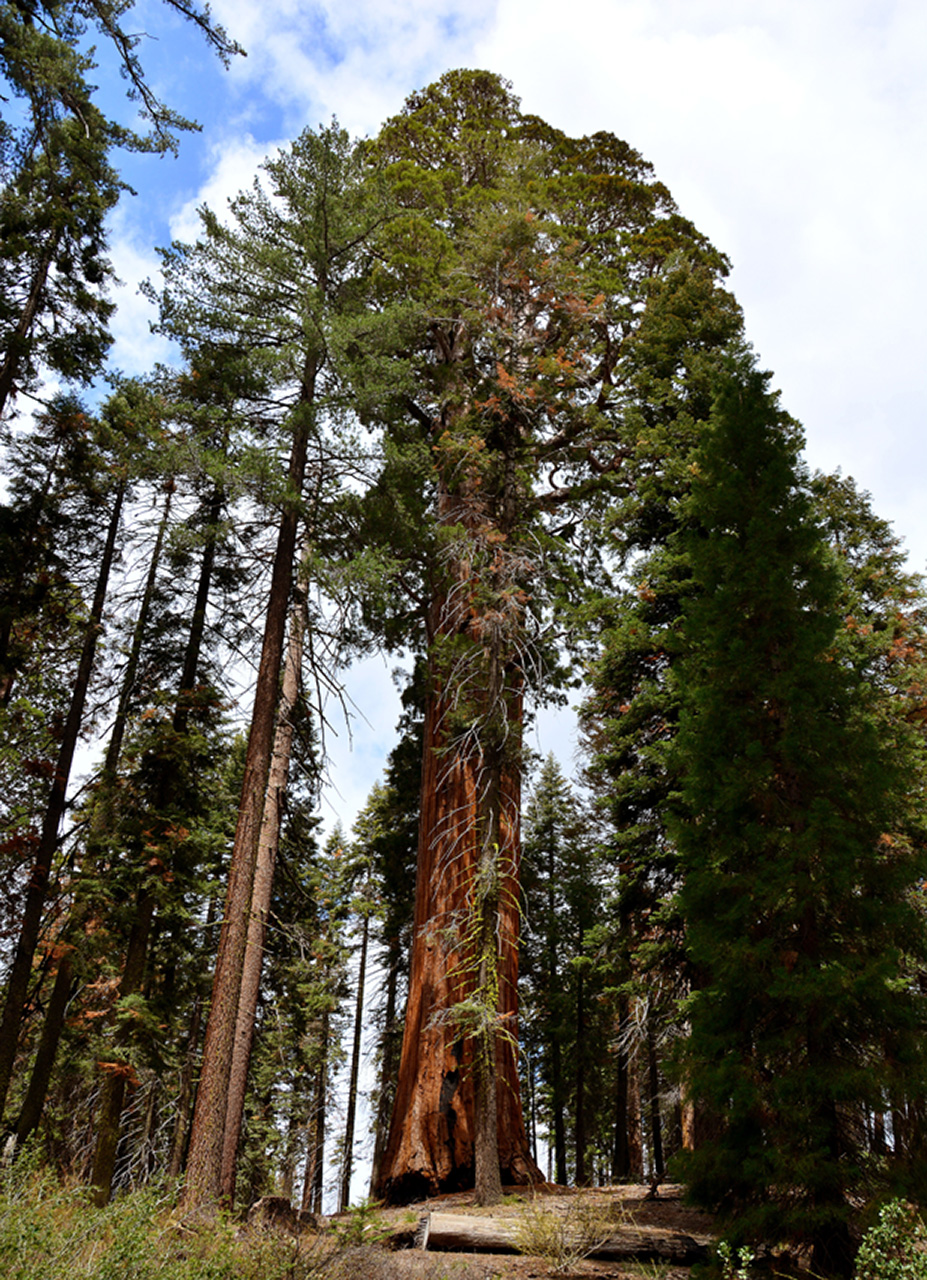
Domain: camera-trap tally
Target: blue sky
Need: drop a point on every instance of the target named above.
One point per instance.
(793, 132)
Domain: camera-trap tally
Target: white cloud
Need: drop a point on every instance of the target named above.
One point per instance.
(357, 62)
(233, 165)
(135, 349)
(790, 133)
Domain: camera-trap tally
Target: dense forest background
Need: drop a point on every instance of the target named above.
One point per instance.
(475, 395)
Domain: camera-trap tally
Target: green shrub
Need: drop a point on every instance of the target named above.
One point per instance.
(896, 1247)
(563, 1238)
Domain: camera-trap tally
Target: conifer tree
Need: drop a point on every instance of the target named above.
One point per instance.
(563, 1024)
(799, 852)
(57, 182)
(271, 288)
(552, 299)
(107, 480)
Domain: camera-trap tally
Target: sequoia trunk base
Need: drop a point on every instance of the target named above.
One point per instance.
(431, 1143)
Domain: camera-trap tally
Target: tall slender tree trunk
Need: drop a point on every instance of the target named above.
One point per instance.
(119, 1072)
(203, 1185)
(621, 1156)
(18, 983)
(635, 1125)
(532, 1102)
(34, 1102)
(184, 1104)
(52, 1027)
(20, 571)
(261, 896)
(389, 1065)
(580, 1131)
(9, 368)
(288, 1170)
(556, 1055)
(344, 1198)
(313, 1180)
(112, 1098)
(656, 1122)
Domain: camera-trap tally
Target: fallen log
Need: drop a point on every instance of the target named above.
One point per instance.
(472, 1233)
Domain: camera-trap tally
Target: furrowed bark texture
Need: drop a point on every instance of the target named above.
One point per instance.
(203, 1185)
(467, 885)
(430, 1148)
(431, 1142)
(261, 899)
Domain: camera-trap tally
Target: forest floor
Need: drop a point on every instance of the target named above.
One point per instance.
(625, 1212)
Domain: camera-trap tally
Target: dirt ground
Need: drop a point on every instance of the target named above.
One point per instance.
(633, 1206)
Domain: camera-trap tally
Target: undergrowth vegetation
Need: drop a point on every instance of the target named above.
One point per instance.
(49, 1229)
(564, 1238)
(896, 1247)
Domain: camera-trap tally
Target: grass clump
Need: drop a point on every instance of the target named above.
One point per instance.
(49, 1228)
(564, 1238)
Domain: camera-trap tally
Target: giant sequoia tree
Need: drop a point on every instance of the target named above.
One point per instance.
(552, 299)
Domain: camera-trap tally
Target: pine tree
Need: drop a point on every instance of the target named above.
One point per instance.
(799, 853)
(57, 182)
(109, 481)
(564, 1023)
(270, 288)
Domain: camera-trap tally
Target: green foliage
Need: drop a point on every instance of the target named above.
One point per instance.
(895, 1248)
(564, 1019)
(800, 848)
(50, 1229)
(57, 184)
(361, 1225)
(735, 1263)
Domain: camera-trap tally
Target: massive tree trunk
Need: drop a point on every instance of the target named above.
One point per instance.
(458, 1096)
(431, 1143)
(470, 810)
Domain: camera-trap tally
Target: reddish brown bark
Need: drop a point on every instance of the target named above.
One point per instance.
(262, 893)
(203, 1184)
(431, 1142)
